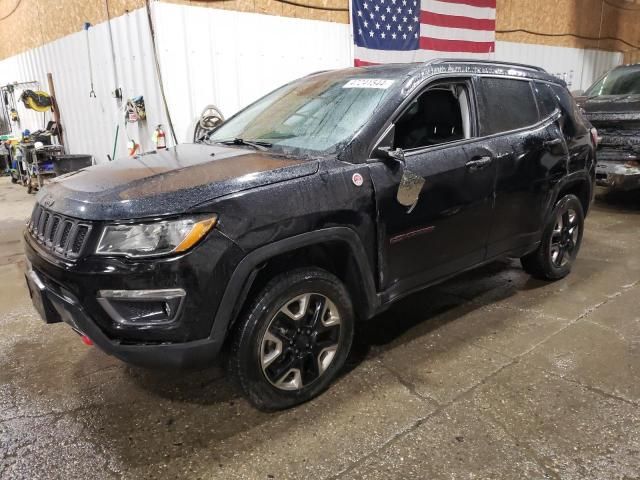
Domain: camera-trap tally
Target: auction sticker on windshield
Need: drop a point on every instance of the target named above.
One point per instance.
(368, 83)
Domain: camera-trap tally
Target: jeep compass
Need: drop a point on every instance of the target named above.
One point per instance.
(315, 207)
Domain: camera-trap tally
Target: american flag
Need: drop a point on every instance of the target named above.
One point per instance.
(398, 31)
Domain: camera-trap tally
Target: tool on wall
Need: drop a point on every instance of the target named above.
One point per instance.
(134, 110)
(36, 100)
(117, 91)
(209, 119)
(92, 93)
(9, 104)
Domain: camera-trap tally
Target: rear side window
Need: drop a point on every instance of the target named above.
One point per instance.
(546, 99)
(572, 123)
(506, 104)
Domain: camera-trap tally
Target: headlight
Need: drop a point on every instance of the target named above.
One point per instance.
(150, 239)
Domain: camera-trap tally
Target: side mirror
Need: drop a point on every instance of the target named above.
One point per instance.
(390, 153)
(577, 93)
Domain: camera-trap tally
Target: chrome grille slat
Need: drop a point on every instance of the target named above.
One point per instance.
(64, 236)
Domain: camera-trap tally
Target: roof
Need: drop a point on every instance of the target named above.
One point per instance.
(470, 66)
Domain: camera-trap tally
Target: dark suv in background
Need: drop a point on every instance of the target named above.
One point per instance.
(612, 105)
(317, 206)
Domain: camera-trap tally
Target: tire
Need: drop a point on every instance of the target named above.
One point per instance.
(561, 240)
(293, 339)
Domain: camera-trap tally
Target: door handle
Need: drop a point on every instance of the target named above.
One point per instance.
(478, 163)
(551, 143)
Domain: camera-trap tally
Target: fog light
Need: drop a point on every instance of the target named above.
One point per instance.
(142, 308)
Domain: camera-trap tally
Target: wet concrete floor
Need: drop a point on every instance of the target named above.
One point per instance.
(491, 375)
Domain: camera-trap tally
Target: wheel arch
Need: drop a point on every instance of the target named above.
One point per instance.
(579, 184)
(264, 262)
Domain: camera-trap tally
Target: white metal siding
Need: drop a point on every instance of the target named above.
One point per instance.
(214, 56)
(578, 67)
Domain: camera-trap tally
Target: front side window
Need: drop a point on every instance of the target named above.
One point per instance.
(438, 115)
(505, 104)
(315, 115)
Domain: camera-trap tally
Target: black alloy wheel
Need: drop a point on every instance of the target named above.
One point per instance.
(292, 341)
(301, 341)
(564, 237)
(560, 242)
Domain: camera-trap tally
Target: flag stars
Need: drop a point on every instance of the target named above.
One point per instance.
(371, 15)
(388, 9)
(399, 9)
(410, 11)
(371, 33)
(404, 36)
(377, 26)
(393, 35)
(388, 27)
(383, 17)
(404, 19)
(399, 27)
(377, 7)
(415, 19)
(404, 3)
(359, 31)
(394, 18)
(366, 24)
(410, 28)
(359, 13)
(366, 6)
(383, 35)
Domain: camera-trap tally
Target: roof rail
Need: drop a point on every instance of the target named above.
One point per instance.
(489, 62)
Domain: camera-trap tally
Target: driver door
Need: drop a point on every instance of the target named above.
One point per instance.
(447, 228)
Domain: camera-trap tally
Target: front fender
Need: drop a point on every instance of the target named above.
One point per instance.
(246, 271)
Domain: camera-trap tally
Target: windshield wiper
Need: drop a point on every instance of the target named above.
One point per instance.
(257, 144)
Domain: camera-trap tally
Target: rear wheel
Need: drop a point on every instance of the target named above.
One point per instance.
(560, 243)
(293, 340)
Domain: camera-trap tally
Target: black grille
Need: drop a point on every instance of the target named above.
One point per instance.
(62, 235)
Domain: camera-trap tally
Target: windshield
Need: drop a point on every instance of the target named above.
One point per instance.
(314, 115)
(619, 81)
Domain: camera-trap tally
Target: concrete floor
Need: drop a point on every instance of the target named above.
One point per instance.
(491, 375)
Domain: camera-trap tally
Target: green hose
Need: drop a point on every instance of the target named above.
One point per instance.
(115, 142)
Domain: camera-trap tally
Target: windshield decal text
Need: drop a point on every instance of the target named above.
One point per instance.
(368, 83)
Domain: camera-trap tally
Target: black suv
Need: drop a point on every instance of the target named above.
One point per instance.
(317, 206)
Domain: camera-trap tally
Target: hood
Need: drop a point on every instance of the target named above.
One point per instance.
(604, 107)
(167, 182)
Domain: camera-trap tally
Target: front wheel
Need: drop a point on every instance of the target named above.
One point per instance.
(560, 243)
(294, 339)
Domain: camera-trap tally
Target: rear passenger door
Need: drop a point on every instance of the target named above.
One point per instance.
(509, 114)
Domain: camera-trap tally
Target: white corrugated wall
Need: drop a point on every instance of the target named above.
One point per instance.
(222, 57)
(578, 67)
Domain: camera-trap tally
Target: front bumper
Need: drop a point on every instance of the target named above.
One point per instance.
(56, 304)
(70, 293)
(612, 172)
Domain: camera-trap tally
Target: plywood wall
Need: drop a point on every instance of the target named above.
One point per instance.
(36, 22)
(588, 20)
